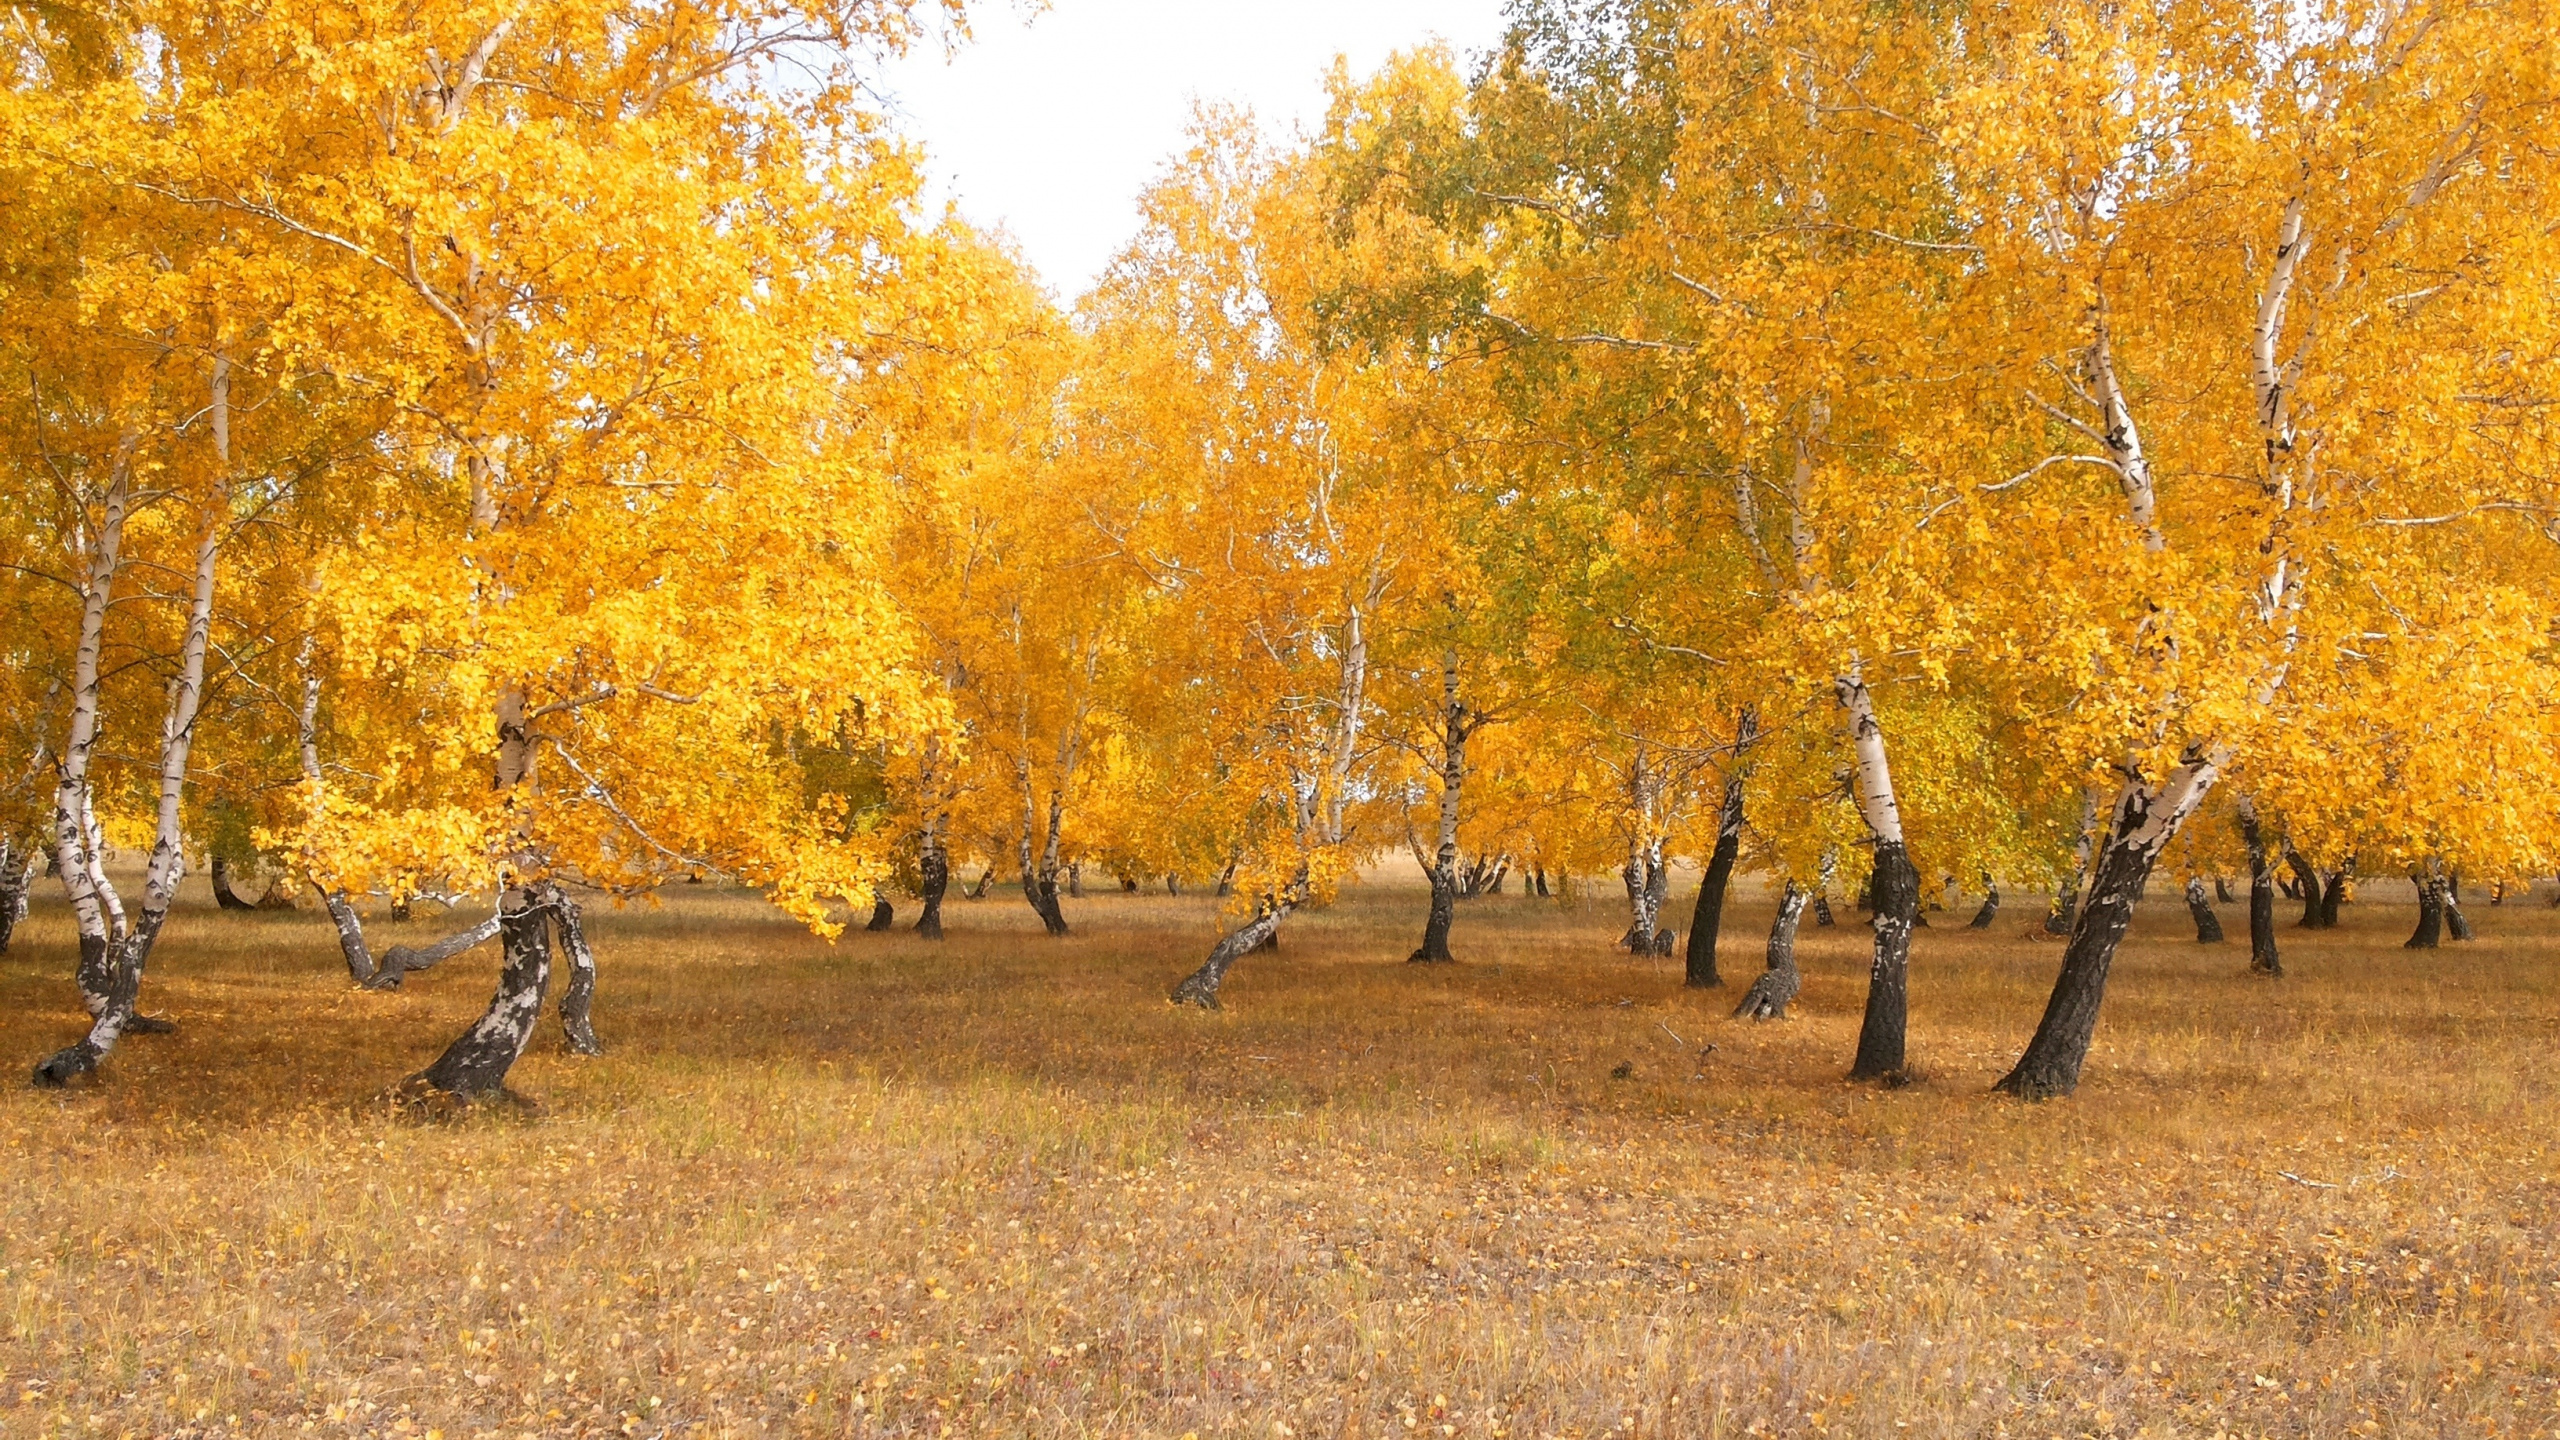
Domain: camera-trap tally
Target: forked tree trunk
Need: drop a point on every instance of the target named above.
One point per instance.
(2333, 894)
(475, 1066)
(2208, 924)
(2263, 959)
(124, 959)
(1779, 984)
(883, 914)
(1706, 922)
(2306, 885)
(1647, 881)
(1457, 723)
(2146, 818)
(1040, 877)
(1990, 910)
(2430, 929)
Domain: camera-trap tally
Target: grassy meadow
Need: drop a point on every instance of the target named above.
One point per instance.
(999, 1187)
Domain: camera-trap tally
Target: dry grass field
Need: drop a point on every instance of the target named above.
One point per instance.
(998, 1187)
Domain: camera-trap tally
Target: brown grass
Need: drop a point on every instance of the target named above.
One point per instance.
(999, 1187)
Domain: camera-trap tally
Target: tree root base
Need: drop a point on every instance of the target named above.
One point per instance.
(74, 1062)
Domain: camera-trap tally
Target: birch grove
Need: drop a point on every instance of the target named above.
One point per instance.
(531, 455)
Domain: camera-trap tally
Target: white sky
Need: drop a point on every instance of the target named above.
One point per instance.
(1048, 128)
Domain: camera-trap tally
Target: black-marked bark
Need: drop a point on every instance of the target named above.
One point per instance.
(1894, 886)
(1780, 982)
(1706, 921)
(475, 1065)
(2263, 958)
(2208, 924)
(2146, 817)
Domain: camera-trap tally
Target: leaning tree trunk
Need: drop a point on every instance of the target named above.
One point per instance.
(2208, 924)
(1779, 984)
(2456, 924)
(883, 914)
(402, 960)
(1706, 922)
(1262, 932)
(2146, 818)
(2430, 929)
(475, 1066)
(1990, 910)
(2263, 959)
(361, 965)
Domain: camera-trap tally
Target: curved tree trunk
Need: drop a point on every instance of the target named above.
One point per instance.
(2221, 890)
(2145, 819)
(2263, 959)
(1706, 922)
(883, 914)
(1778, 985)
(475, 1066)
(2208, 924)
(224, 897)
(2430, 914)
(1990, 910)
